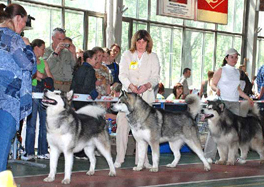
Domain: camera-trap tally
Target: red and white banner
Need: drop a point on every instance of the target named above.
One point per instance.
(261, 5)
(215, 11)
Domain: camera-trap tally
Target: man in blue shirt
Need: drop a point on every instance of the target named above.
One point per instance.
(260, 83)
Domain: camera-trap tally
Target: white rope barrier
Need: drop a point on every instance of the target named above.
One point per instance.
(81, 97)
(87, 98)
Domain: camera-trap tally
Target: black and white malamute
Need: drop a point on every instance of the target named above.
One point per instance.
(152, 126)
(232, 132)
(69, 132)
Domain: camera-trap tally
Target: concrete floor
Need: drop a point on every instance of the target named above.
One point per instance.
(189, 172)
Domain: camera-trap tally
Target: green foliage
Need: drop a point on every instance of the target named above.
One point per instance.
(74, 29)
(42, 28)
(95, 35)
(260, 57)
(96, 6)
(125, 41)
(56, 2)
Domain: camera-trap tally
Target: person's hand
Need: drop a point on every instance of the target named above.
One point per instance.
(133, 88)
(72, 49)
(257, 96)
(26, 40)
(59, 47)
(217, 91)
(251, 102)
(99, 96)
(43, 75)
(143, 88)
(98, 83)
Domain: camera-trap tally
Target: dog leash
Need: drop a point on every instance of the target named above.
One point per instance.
(221, 100)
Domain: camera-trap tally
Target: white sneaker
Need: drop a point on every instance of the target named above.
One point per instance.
(46, 156)
(27, 157)
(117, 165)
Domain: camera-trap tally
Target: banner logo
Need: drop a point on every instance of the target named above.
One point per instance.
(214, 3)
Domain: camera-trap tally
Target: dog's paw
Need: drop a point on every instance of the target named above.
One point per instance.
(66, 181)
(90, 173)
(218, 162)
(209, 160)
(112, 174)
(117, 165)
(49, 179)
(154, 169)
(148, 165)
(241, 161)
(230, 163)
(207, 168)
(137, 168)
(171, 165)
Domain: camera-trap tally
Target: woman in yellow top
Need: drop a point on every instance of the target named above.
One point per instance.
(139, 72)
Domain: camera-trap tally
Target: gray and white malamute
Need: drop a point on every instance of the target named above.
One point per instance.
(69, 132)
(152, 126)
(232, 132)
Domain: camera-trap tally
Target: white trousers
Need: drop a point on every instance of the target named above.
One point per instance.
(122, 132)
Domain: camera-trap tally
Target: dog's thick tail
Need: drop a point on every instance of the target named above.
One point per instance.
(92, 110)
(194, 104)
(246, 109)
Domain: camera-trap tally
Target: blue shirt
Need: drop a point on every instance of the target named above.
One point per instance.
(17, 65)
(260, 80)
(114, 68)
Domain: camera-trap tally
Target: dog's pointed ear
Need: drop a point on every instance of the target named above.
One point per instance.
(69, 95)
(124, 93)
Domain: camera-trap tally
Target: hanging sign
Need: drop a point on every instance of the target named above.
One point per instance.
(261, 5)
(215, 11)
(176, 8)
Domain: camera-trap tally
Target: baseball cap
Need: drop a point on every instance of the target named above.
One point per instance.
(231, 51)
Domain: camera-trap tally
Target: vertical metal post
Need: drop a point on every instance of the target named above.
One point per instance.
(85, 30)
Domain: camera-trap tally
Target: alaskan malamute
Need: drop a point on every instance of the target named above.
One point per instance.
(69, 132)
(232, 132)
(152, 126)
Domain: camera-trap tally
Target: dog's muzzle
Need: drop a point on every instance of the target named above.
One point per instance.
(46, 100)
(205, 116)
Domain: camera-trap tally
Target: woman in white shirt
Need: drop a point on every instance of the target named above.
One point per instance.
(139, 70)
(226, 84)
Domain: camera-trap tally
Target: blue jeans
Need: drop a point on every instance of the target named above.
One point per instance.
(31, 129)
(7, 133)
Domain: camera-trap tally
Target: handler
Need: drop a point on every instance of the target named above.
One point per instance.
(225, 83)
(139, 73)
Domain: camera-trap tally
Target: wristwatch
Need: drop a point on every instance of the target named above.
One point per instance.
(54, 53)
